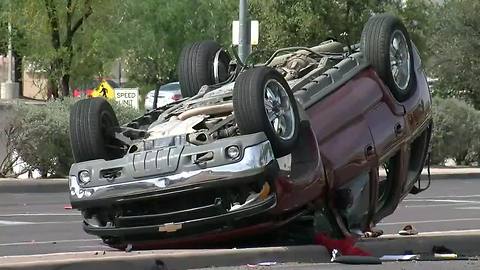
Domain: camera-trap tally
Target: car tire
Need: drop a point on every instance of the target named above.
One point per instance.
(91, 121)
(379, 35)
(202, 63)
(253, 89)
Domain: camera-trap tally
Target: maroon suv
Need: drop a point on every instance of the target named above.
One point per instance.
(341, 132)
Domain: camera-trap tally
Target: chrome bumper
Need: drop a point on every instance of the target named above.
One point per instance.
(253, 162)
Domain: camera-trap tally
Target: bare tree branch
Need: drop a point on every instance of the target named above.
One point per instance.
(88, 12)
(53, 20)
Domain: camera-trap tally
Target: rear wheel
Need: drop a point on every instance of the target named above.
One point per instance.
(202, 63)
(263, 101)
(91, 130)
(386, 45)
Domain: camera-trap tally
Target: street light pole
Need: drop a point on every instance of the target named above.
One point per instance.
(11, 63)
(10, 89)
(244, 47)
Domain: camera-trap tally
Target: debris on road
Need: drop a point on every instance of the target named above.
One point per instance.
(345, 246)
(262, 264)
(374, 233)
(354, 259)
(395, 258)
(441, 252)
(408, 230)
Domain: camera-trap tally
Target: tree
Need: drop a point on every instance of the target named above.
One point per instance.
(308, 22)
(53, 32)
(417, 15)
(163, 27)
(455, 44)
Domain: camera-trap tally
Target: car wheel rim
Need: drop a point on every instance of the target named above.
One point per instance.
(279, 110)
(400, 60)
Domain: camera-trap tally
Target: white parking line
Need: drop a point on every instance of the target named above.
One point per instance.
(10, 223)
(439, 200)
(448, 196)
(437, 205)
(429, 221)
(39, 214)
(49, 242)
(469, 208)
(444, 203)
(4, 223)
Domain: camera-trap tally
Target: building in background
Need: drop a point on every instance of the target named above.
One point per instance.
(34, 80)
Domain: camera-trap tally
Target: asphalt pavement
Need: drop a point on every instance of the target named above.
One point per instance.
(443, 265)
(41, 223)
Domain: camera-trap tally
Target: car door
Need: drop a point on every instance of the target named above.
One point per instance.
(347, 146)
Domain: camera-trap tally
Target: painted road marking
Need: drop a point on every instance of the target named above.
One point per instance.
(11, 223)
(429, 221)
(448, 196)
(49, 242)
(469, 208)
(437, 205)
(438, 200)
(39, 214)
(4, 223)
(444, 203)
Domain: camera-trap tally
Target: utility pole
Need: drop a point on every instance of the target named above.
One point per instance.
(10, 89)
(120, 72)
(244, 47)
(11, 63)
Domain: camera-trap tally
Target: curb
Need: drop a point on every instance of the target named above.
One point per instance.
(462, 242)
(171, 260)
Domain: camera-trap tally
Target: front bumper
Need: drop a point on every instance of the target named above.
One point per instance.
(190, 199)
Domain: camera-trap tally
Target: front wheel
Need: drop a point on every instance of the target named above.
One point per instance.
(92, 122)
(263, 102)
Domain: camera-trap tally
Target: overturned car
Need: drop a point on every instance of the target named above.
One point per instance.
(339, 131)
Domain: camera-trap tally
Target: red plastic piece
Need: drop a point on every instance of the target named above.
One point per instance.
(345, 246)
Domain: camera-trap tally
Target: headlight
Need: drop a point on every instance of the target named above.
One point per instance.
(84, 177)
(233, 152)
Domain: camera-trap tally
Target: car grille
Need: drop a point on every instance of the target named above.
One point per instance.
(161, 209)
(166, 210)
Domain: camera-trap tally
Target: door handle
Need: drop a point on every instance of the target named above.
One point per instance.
(398, 129)
(369, 150)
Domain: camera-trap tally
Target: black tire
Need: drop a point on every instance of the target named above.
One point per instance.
(375, 44)
(249, 107)
(90, 122)
(196, 66)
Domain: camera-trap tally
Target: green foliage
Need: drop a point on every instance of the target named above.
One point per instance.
(163, 27)
(42, 134)
(148, 35)
(417, 16)
(456, 129)
(79, 47)
(287, 23)
(455, 43)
